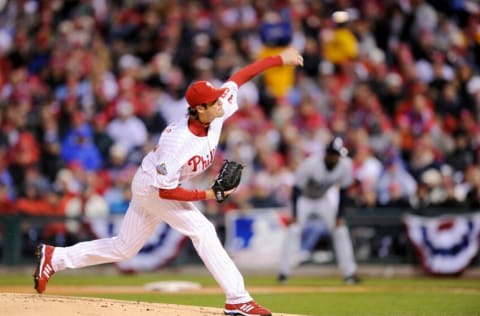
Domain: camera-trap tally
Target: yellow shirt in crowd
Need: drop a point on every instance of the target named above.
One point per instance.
(341, 47)
(278, 80)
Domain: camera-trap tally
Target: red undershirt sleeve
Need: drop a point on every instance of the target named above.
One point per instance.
(255, 68)
(181, 194)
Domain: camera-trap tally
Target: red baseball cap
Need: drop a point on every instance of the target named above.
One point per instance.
(201, 92)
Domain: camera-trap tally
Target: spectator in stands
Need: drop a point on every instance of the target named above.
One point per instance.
(311, 57)
(103, 82)
(6, 179)
(151, 117)
(102, 140)
(472, 199)
(393, 94)
(127, 129)
(312, 126)
(78, 146)
(462, 155)
(425, 17)
(118, 162)
(397, 197)
(366, 112)
(119, 172)
(66, 183)
(39, 199)
(431, 191)
(170, 103)
(367, 169)
(438, 189)
(24, 149)
(447, 102)
(414, 117)
(6, 202)
(424, 156)
(49, 138)
(276, 34)
(118, 196)
(75, 89)
(395, 185)
(272, 183)
(340, 46)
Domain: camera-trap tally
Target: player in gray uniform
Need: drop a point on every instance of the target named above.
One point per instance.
(320, 187)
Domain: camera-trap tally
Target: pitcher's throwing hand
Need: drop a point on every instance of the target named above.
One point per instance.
(291, 57)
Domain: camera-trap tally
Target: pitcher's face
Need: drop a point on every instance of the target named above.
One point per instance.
(209, 112)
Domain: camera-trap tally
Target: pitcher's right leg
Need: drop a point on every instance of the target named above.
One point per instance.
(137, 227)
(44, 269)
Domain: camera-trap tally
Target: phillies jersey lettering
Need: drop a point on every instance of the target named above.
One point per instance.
(199, 161)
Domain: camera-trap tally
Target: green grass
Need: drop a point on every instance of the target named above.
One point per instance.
(375, 297)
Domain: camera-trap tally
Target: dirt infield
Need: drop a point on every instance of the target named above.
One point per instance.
(21, 304)
(21, 300)
(47, 305)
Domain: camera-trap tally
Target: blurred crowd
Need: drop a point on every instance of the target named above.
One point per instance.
(87, 86)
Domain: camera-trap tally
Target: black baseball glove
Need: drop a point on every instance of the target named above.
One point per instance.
(227, 179)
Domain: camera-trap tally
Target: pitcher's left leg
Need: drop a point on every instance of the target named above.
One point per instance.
(188, 220)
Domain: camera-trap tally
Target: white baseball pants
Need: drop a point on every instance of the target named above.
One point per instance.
(145, 212)
(326, 208)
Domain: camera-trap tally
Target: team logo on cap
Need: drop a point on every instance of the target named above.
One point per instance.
(161, 169)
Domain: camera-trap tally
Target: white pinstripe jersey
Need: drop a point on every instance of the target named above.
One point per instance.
(180, 155)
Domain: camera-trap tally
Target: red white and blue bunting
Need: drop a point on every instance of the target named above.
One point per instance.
(445, 245)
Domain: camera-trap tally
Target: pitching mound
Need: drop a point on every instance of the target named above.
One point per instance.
(47, 305)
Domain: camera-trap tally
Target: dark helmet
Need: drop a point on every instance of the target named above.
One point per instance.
(337, 147)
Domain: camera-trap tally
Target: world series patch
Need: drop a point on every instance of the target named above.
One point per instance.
(161, 169)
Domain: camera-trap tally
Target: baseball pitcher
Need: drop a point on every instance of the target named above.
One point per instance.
(185, 149)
